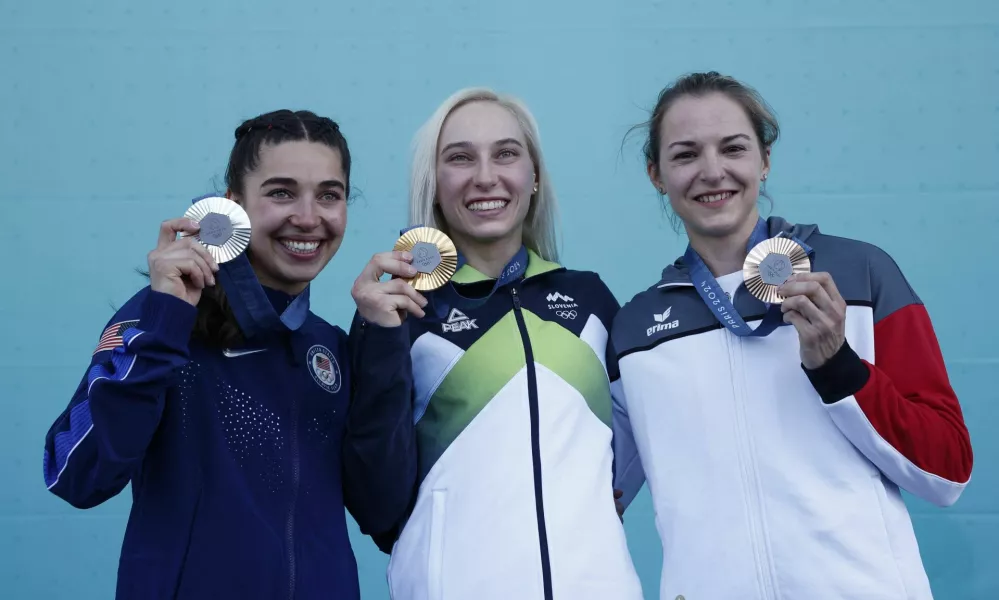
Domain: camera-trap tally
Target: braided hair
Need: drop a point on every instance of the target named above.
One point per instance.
(277, 127)
(216, 324)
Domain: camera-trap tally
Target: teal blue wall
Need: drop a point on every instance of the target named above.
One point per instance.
(114, 113)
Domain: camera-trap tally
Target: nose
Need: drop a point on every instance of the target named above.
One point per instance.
(306, 215)
(485, 176)
(711, 167)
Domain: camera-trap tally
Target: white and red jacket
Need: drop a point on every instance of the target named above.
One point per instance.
(771, 481)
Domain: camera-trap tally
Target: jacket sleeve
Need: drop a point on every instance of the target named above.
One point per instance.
(899, 409)
(100, 439)
(379, 454)
(629, 476)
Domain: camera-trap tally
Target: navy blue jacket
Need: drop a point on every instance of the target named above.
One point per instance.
(241, 460)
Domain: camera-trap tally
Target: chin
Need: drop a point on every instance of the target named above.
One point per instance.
(489, 234)
(291, 269)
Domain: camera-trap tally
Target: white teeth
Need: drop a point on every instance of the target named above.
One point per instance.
(709, 198)
(300, 247)
(487, 205)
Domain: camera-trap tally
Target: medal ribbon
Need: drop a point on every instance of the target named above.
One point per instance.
(714, 296)
(249, 302)
(446, 298)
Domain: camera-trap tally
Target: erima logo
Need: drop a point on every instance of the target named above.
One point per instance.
(661, 323)
(561, 302)
(457, 321)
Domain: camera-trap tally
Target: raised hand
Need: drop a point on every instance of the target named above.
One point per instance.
(180, 267)
(386, 303)
(813, 304)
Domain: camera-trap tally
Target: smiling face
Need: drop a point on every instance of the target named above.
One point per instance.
(485, 174)
(296, 201)
(710, 165)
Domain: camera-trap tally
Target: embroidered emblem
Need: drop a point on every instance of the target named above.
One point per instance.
(562, 305)
(114, 335)
(324, 368)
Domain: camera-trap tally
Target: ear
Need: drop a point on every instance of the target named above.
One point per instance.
(766, 162)
(233, 197)
(653, 172)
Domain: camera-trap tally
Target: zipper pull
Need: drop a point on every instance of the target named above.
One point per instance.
(516, 298)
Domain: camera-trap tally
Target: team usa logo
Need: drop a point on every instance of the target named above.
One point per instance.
(324, 368)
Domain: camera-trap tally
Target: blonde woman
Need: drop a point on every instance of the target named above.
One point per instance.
(511, 383)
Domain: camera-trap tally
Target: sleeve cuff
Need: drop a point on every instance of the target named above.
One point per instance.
(389, 335)
(169, 318)
(842, 376)
(379, 343)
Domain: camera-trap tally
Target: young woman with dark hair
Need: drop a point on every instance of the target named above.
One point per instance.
(232, 409)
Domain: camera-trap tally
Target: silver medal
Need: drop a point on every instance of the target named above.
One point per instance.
(225, 227)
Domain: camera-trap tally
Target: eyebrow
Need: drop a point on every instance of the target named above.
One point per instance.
(291, 182)
(724, 140)
(501, 142)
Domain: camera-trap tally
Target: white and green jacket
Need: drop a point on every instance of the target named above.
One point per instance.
(513, 411)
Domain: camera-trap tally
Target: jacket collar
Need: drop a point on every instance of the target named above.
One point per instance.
(251, 306)
(535, 266)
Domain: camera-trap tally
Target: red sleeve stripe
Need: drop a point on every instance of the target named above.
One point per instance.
(908, 399)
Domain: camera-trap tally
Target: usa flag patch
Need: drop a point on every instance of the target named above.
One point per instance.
(113, 336)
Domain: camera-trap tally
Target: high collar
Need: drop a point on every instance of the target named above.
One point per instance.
(260, 312)
(536, 265)
(679, 274)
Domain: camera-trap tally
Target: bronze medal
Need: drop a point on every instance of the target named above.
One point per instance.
(770, 263)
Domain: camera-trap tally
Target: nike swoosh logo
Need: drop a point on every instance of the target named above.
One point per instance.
(234, 353)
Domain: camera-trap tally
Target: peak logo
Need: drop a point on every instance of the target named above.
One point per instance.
(662, 322)
(457, 321)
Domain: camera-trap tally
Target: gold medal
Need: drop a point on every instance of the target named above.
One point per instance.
(434, 257)
(225, 227)
(770, 263)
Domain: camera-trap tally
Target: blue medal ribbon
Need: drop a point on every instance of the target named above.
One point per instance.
(714, 296)
(442, 300)
(249, 303)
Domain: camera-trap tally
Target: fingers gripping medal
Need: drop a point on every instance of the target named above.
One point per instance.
(770, 263)
(225, 227)
(434, 257)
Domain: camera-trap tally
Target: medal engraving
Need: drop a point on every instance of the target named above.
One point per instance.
(216, 229)
(775, 269)
(426, 257)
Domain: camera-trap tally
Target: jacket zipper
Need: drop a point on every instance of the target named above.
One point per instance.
(290, 526)
(747, 463)
(532, 396)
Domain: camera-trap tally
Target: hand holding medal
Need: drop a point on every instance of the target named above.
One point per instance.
(213, 230)
(422, 259)
(179, 266)
(813, 304)
(223, 227)
(778, 271)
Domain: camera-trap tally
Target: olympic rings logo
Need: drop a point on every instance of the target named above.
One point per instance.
(566, 314)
